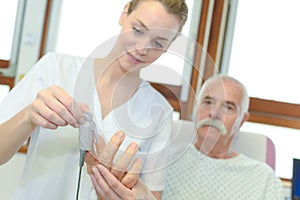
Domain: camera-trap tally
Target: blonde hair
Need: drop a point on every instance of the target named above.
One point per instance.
(176, 7)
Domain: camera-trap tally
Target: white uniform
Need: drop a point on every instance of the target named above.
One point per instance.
(195, 176)
(52, 164)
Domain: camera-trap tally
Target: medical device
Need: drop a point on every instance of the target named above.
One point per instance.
(86, 132)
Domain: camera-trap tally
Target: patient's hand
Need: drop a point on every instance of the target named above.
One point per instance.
(104, 153)
(113, 181)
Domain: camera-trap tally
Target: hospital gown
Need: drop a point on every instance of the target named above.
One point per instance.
(195, 176)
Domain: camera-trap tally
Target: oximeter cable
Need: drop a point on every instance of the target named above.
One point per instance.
(86, 131)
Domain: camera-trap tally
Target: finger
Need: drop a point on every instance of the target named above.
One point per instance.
(90, 161)
(123, 162)
(91, 157)
(78, 110)
(44, 115)
(107, 156)
(59, 102)
(115, 185)
(132, 176)
(96, 186)
(39, 120)
(97, 145)
(101, 183)
(70, 110)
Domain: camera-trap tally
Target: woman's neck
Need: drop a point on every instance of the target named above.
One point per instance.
(111, 73)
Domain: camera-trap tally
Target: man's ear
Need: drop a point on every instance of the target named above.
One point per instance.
(124, 14)
(245, 118)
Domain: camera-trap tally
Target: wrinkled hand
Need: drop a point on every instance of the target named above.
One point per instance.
(53, 107)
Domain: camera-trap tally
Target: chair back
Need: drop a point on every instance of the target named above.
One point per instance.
(256, 146)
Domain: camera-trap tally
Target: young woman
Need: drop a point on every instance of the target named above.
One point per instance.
(42, 106)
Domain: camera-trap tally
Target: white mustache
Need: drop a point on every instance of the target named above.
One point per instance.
(212, 122)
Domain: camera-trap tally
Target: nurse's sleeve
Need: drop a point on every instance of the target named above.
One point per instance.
(26, 90)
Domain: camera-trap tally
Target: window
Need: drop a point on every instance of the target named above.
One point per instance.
(267, 44)
(264, 57)
(11, 20)
(80, 34)
(8, 10)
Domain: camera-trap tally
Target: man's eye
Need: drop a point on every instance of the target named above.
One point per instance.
(229, 108)
(207, 102)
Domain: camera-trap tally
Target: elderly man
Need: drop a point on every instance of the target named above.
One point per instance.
(210, 168)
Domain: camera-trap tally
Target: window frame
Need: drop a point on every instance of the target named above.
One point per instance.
(4, 63)
(261, 110)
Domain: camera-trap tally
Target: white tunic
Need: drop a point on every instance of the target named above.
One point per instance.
(195, 176)
(52, 164)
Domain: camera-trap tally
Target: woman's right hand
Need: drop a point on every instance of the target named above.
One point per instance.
(53, 107)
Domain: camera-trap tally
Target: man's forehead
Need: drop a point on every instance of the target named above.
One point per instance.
(222, 91)
(214, 90)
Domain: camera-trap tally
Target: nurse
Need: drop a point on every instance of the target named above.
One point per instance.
(44, 107)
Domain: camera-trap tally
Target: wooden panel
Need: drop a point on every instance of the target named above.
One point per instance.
(171, 93)
(10, 81)
(212, 50)
(274, 107)
(23, 149)
(4, 63)
(276, 120)
(215, 28)
(45, 28)
(187, 107)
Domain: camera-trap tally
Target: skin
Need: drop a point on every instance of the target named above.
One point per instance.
(139, 44)
(221, 101)
(113, 180)
(52, 108)
(117, 75)
(116, 80)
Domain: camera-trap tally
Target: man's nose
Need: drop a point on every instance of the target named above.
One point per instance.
(216, 112)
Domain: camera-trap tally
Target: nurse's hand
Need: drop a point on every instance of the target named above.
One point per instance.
(53, 107)
(109, 187)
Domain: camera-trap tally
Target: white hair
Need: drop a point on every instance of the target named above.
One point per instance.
(245, 98)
